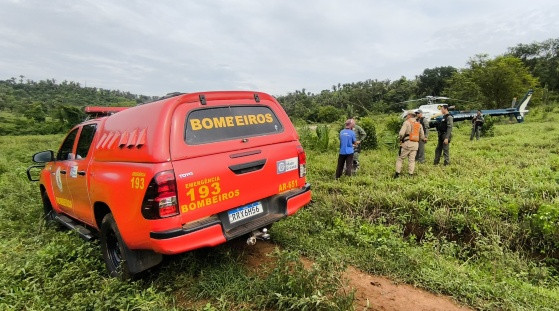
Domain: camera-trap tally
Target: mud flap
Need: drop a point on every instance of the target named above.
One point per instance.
(140, 260)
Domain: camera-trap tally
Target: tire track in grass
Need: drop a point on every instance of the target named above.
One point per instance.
(371, 292)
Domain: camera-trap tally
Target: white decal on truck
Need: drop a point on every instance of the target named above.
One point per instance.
(287, 165)
(74, 171)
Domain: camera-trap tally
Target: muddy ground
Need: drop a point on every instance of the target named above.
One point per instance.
(372, 292)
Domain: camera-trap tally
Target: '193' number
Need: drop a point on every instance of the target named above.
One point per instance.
(204, 191)
(137, 183)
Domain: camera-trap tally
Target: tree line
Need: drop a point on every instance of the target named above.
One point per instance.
(45, 107)
(485, 83)
(48, 107)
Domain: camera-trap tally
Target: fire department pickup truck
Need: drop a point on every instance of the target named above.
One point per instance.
(185, 172)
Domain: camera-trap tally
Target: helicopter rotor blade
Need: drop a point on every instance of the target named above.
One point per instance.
(460, 100)
(433, 99)
(410, 101)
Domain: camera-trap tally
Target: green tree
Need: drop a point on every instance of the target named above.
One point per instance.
(399, 91)
(462, 86)
(329, 114)
(69, 116)
(36, 112)
(542, 59)
(502, 79)
(433, 81)
(493, 81)
(371, 141)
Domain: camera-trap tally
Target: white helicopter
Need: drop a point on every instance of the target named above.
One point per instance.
(432, 110)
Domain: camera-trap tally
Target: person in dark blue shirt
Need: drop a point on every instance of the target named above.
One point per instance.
(347, 141)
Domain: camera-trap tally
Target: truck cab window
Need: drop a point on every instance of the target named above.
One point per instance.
(84, 142)
(65, 151)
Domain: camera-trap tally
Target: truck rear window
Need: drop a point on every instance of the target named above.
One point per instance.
(226, 123)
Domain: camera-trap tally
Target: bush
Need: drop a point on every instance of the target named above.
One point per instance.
(371, 141)
(309, 140)
(394, 124)
(329, 114)
(488, 128)
(322, 137)
(544, 224)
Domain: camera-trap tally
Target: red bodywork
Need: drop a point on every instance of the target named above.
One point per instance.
(205, 176)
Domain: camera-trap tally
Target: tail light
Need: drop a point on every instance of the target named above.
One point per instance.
(302, 162)
(160, 200)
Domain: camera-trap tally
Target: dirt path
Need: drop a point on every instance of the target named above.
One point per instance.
(374, 292)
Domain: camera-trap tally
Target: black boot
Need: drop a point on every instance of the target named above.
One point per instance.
(396, 175)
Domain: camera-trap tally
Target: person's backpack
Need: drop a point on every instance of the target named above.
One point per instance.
(415, 129)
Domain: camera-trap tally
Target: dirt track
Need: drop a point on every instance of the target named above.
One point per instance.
(375, 292)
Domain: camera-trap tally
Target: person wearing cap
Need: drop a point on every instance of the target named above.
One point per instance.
(410, 135)
(477, 123)
(420, 156)
(347, 142)
(360, 135)
(444, 129)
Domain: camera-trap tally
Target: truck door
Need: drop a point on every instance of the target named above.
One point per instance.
(78, 175)
(60, 171)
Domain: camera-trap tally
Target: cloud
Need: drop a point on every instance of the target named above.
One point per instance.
(274, 46)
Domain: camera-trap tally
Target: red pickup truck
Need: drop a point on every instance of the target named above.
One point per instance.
(185, 172)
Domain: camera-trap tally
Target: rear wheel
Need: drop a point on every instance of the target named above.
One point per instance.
(113, 248)
(121, 261)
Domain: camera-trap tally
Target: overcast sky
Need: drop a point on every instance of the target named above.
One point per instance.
(277, 46)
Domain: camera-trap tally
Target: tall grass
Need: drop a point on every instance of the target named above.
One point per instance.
(47, 268)
(484, 229)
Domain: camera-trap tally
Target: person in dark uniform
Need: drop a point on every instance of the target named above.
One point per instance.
(477, 123)
(420, 156)
(360, 135)
(444, 129)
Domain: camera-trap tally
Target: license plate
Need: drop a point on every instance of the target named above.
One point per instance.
(245, 212)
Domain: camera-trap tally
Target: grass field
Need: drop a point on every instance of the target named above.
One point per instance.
(484, 230)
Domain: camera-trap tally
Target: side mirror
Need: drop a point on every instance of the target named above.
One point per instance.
(43, 156)
(34, 172)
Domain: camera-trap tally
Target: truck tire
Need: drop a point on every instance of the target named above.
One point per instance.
(121, 261)
(114, 249)
(48, 212)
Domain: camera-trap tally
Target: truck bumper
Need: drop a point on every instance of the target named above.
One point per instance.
(214, 230)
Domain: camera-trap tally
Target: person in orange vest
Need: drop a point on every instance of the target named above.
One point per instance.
(410, 134)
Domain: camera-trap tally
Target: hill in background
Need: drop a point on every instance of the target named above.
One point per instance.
(48, 107)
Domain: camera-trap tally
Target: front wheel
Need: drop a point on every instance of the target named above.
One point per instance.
(48, 211)
(113, 248)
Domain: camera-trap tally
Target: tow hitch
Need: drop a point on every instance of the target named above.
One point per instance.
(258, 234)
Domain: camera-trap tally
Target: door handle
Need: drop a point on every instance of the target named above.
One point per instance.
(82, 173)
(63, 172)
